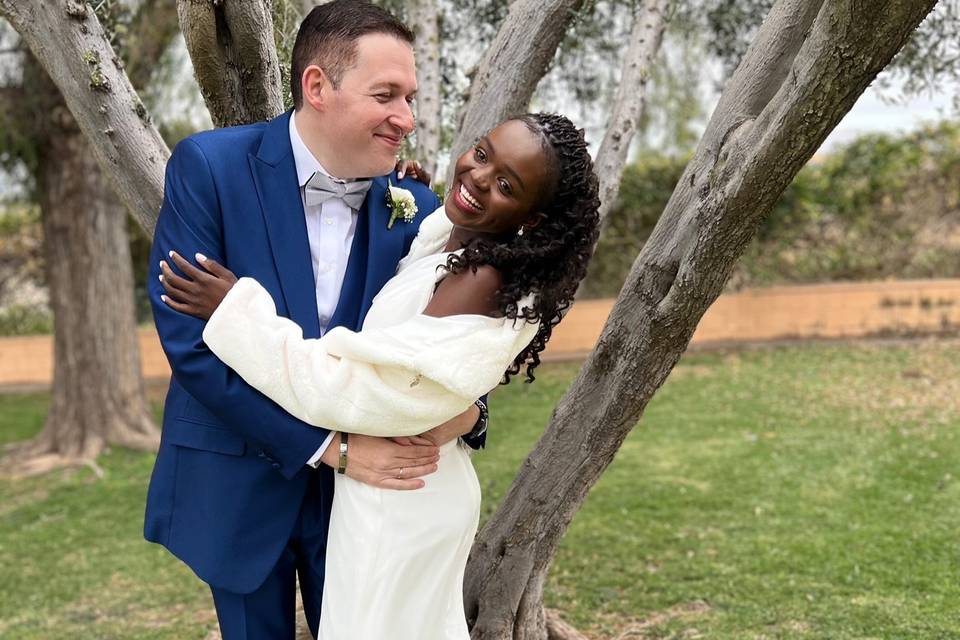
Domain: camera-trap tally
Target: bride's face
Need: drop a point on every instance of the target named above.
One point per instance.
(499, 183)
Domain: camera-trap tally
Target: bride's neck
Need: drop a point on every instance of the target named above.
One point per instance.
(461, 237)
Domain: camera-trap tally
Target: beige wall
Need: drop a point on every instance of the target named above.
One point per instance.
(774, 313)
(845, 310)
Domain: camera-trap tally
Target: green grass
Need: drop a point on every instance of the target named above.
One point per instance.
(784, 493)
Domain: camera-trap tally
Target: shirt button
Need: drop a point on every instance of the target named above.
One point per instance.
(329, 222)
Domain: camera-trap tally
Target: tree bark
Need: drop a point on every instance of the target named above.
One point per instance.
(423, 19)
(67, 39)
(512, 66)
(810, 61)
(234, 58)
(630, 102)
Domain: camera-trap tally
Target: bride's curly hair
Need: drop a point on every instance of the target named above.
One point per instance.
(550, 259)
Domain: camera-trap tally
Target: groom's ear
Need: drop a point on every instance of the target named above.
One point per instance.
(315, 87)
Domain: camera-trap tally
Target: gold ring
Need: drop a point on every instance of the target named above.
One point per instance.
(400, 475)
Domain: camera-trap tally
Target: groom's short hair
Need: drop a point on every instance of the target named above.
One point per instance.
(328, 38)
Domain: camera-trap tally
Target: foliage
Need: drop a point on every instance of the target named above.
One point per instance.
(929, 60)
(23, 308)
(645, 188)
(765, 494)
(882, 206)
(286, 21)
(21, 320)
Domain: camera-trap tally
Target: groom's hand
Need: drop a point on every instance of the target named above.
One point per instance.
(380, 462)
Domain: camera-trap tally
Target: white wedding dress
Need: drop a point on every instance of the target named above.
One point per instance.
(395, 559)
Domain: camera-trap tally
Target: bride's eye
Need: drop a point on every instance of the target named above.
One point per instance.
(505, 187)
(479, 154)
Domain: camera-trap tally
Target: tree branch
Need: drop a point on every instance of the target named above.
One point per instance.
(68, 40)
(630, 101)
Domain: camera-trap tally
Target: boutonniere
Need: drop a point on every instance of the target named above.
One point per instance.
(401, 203)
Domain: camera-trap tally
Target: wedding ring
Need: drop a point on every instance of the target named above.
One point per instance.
(400, 475)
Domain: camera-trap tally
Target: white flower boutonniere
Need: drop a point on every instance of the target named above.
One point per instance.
(402, 204)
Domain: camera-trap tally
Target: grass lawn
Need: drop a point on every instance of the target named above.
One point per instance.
(803, 492)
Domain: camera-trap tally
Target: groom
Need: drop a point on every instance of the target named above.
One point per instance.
(241, 491)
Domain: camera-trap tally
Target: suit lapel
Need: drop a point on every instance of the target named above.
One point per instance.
(385, 246)
(373, 260)
(347, 313)
(275, 177)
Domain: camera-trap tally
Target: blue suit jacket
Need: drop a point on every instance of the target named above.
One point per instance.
(230, 474)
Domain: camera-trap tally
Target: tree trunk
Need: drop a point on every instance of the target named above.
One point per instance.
(234, 58)
(808, 64)
(512, 66)
(423, 19)
(97, 397)
(631, 99)
(67, 39)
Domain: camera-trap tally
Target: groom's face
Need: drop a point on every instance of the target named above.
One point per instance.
(371, 110)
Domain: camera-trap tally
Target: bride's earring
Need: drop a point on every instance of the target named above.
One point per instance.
(520, 232)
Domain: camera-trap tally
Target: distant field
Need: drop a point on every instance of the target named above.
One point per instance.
(806, 492)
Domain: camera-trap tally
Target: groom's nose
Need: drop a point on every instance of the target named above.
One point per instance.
(402, 117)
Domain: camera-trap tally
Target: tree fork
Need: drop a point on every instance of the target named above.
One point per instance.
(809, 62)
(234, 57)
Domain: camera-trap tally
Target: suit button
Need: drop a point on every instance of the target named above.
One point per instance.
(275, 465)
(261, 454)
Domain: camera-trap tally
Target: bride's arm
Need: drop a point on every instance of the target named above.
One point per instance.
(397, 381)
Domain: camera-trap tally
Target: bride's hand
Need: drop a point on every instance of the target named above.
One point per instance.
(413, 169)
(201, 291)
(412, 440)
(453, 428)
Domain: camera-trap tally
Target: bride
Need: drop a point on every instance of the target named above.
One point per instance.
(489, 275)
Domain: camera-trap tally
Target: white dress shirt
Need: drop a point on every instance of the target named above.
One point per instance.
(330, 230)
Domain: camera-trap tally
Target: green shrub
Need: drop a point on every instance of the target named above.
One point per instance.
(18, 320)
(882, 206)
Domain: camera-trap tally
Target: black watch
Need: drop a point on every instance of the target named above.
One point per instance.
(480, 427)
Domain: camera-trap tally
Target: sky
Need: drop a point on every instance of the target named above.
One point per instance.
(872, 114)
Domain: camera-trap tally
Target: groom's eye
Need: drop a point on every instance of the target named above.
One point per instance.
(383, 97)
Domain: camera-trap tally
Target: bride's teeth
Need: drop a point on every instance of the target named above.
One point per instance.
(470, 200)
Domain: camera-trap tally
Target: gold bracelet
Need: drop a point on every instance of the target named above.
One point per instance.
(342, 467)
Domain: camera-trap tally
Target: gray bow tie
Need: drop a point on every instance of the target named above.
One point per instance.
(321, 187)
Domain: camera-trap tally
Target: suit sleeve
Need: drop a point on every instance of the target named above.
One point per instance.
(190, 221)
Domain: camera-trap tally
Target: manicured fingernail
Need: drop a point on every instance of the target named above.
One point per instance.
(170, 254)
(399, 175)
(164, 298)
(201, 258)
(161, 277)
